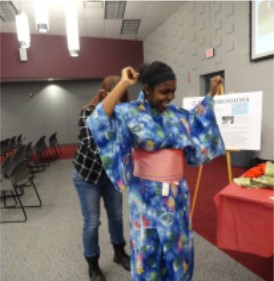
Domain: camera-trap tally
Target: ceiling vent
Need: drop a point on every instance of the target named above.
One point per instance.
(7, 11)
(93, 4)
(130, 26)
(115, 9)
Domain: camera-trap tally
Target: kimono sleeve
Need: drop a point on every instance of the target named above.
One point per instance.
(111, 136)
(205, 133)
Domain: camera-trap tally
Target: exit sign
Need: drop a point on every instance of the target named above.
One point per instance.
(209, 53)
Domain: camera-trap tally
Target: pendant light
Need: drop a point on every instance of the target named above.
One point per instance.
(22, 27)
(70, 9)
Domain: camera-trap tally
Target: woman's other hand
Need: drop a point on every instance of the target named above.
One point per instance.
(129, 75)
(215, 83)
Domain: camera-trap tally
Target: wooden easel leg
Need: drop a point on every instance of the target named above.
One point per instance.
(229, 173)
(196, 191)
(228, 163)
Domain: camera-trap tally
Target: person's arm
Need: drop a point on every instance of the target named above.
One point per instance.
(128, 78)
(204, 129)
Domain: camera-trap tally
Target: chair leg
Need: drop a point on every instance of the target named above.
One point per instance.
(21, 206)
(60, 150)
(5, 197)
(55, 152)
(32, 184)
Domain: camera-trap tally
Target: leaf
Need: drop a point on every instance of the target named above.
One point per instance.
(167, 246)
(154, 276)
(110, 135)
(107, 161)
(177, 263)
(137, 128)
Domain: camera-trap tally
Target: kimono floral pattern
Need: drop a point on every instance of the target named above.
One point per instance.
(161, 231)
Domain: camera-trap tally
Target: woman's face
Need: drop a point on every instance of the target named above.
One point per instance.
(162, 94)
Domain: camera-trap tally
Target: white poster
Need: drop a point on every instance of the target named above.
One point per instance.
(239, 117)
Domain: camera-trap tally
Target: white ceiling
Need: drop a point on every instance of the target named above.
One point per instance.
(91, 19)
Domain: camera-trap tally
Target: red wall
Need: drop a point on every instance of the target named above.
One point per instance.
(48, 57)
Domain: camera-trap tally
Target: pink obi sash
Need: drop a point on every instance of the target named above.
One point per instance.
(165, 165)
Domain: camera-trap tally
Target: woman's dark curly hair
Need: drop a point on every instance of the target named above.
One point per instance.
(155, 73)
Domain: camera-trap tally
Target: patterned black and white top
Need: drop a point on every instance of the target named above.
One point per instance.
(87, 161)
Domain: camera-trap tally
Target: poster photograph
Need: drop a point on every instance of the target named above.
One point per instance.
(239, 117)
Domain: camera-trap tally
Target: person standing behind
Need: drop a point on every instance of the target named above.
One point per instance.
(92, 183)
(142, 145)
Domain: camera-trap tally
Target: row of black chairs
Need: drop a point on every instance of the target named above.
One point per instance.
(18, 171)
(40, 155)
(9, 144)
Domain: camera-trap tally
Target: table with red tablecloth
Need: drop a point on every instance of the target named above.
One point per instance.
(245, 219)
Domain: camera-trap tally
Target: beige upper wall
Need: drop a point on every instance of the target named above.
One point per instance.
(181, 42)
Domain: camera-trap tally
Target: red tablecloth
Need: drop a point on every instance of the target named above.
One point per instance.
(245, 220)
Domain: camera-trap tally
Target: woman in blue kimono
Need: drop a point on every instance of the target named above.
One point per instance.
(141, 145)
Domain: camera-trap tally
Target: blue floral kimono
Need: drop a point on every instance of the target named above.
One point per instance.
(161, 233)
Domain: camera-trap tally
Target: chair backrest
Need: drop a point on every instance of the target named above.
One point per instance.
(12, 142)
(19, 155)
(7, 166)
(20, 173)
(40, 145)
(4, 146)
(19, 140)
(53, 139)
(28, 150)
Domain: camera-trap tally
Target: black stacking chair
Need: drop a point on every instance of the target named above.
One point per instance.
(10, 162)
(14, 186)
(54, 145)
(22, 178)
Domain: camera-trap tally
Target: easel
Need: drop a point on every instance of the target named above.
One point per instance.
(229, 174)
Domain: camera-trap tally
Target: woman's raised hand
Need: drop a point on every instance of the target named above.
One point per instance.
(215, 83)
(129, 75)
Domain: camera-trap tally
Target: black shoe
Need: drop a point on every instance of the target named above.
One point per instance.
(95, 273)
(121, 257)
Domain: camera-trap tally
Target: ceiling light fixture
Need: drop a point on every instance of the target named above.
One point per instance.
(70, 8)
(22, 27)
(41, 15)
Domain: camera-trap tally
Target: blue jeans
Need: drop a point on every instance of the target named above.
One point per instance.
(89, 195)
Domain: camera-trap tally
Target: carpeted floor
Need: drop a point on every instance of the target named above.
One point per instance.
(49, 247)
